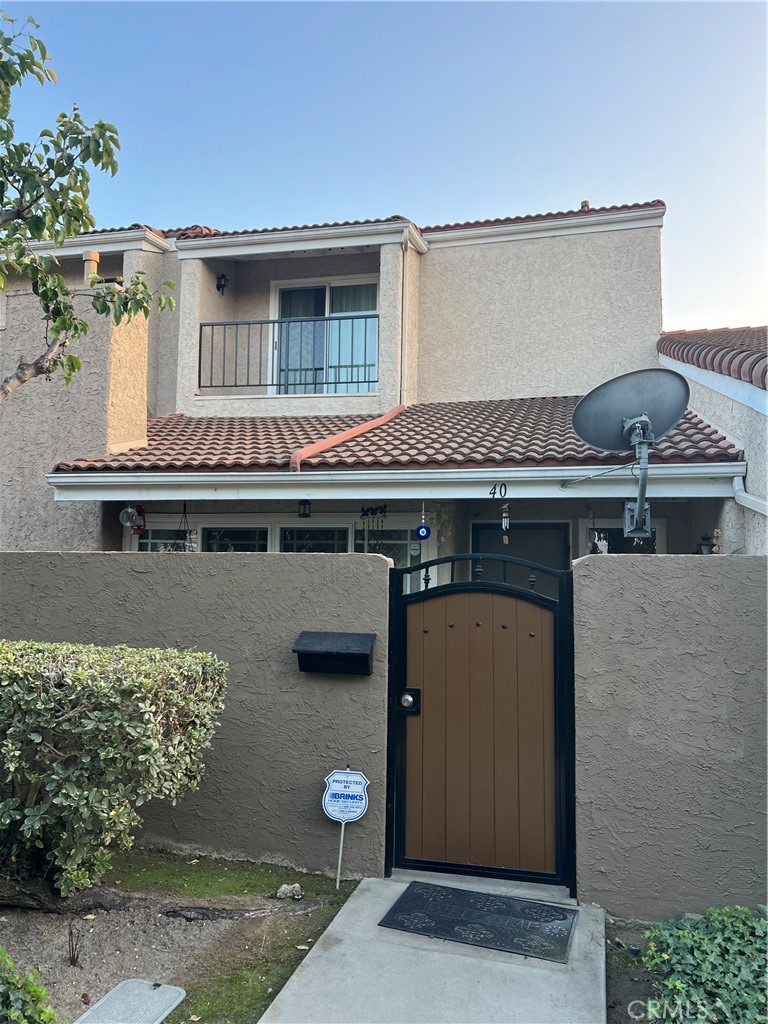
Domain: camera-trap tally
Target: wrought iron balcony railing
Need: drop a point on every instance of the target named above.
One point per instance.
(335, 355)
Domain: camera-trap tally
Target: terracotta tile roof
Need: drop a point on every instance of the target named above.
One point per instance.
(179, 442)
(512, 432)
(202, 232)
(654, 204)
(739, 352)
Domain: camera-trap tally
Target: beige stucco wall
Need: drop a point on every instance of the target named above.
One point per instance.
(670, 685)
(44, 422)
(413, 285)
(529, 317)
(282, 731)
(746, 530)
(162, 331)
(127, 378)
(745, 426)
(247, 297)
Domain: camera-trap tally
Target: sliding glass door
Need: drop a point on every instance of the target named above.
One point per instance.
(328, 339)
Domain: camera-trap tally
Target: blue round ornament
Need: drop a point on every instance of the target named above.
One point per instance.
(422, 532)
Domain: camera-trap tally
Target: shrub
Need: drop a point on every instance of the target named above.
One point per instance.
(23, 1000)
(714, 966)
(87, 734)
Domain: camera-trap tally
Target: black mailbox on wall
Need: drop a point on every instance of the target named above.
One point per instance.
(349, 654)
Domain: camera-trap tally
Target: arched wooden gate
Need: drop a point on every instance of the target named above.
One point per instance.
(481, 719)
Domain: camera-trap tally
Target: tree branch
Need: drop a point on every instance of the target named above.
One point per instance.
(41, 367)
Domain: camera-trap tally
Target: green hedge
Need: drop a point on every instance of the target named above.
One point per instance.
(714, 967)
(87, 734)
(23, 1000)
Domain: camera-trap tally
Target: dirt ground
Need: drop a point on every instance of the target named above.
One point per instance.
(113, 946)
(627, 978)
(147, 944)
(230, 968)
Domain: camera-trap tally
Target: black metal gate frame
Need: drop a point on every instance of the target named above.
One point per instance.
(565, 798)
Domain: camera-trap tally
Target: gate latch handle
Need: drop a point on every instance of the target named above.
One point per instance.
(410, 701)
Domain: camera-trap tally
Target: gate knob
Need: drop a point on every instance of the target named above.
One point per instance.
(407, 700)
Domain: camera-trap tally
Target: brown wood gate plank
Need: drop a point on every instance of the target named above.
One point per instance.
(457, 769)
(480, 758)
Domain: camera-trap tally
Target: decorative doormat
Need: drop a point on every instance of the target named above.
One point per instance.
(484, 919)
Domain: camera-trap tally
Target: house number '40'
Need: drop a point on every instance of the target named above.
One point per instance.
(498, 491)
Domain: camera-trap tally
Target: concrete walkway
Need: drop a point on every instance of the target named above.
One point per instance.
(359, 973)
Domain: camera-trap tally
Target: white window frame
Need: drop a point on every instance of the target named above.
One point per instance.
(275, 287)
(585, 525)
(274, 523)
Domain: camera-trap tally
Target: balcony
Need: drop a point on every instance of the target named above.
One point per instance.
(334, 355)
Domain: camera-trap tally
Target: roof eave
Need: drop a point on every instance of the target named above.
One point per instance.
(688, 480)
(106, 241)
(613, 221)
(300, 239)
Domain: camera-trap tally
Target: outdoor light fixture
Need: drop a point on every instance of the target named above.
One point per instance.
(221, 283)
(305, 510)
(705, 545)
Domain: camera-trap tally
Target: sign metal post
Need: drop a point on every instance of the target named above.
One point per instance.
(345, 799)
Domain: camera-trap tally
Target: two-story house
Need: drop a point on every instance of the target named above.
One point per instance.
(329, 387)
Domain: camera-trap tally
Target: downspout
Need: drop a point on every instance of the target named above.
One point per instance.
(751, 501)
(403, 315)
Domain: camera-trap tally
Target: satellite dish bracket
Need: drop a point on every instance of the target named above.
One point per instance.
(599, 421)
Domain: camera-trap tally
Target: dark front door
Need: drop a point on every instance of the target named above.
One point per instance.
(480, 753)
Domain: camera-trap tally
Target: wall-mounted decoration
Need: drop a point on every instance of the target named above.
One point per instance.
(505, 523)
(422, 532)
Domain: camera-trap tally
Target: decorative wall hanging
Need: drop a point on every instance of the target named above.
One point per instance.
(422, 531)
(372, 520)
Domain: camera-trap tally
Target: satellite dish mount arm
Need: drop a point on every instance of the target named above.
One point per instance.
(639, 434)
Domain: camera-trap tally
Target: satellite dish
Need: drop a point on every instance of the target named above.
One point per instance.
(599, 418)
(628, 414)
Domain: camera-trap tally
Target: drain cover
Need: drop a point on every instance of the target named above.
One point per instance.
(134, 1002)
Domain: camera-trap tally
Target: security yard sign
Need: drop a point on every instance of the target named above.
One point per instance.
(345, 799)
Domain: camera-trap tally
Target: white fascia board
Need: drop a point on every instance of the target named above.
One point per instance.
(300, 240)
(700, 480)
(107, 241)
(546, 228)
(739, 390)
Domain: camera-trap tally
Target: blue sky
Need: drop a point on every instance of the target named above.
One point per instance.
(243, 115)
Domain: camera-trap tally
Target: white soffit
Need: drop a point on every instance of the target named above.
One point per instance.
(107, 241)
(739, 390)
(697, 480)
(299, 240)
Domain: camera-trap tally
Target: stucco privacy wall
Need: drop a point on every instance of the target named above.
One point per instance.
(670, 679)
(282, 731)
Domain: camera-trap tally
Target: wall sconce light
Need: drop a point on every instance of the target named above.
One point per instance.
(705, 545)
(305, 510)
(221, 283)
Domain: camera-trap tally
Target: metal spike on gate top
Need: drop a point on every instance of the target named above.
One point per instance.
(478, 572)
(427, 580)
(532, 581)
